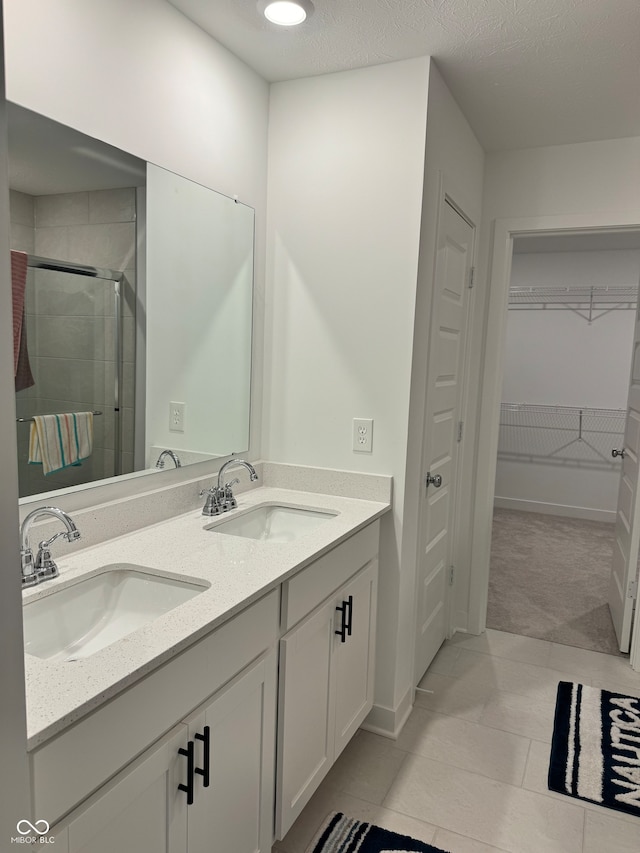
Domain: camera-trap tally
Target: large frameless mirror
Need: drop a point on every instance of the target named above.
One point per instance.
(132, 295)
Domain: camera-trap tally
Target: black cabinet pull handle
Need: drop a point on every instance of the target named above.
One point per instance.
(345, 628)
(349, 615)
(205, 737)
(188, 788)
(342, 630)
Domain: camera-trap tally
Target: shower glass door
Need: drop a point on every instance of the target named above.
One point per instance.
(74, 345)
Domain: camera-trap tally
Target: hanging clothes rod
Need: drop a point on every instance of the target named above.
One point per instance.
(31, 420)
(40, 263)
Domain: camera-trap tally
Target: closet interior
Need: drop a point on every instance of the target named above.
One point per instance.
(569, 336)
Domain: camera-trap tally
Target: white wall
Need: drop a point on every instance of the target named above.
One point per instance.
(345, 190)
(144, 78)
(601, 179)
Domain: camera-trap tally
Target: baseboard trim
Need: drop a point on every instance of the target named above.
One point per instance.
(389, 722)
(584, 512)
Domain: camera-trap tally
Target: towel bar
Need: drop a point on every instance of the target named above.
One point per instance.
(30, 420)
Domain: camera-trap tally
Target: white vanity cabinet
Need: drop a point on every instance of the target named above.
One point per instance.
(222, 755)
(144, 806)
(193, 756)
(326, 669)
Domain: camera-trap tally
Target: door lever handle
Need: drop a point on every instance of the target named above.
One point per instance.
(433, 480)
(619, 453)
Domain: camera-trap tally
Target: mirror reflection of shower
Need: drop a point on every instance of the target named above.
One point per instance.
(79, 335)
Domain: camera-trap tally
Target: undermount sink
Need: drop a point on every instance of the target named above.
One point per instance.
(78, 620)
(272, 523)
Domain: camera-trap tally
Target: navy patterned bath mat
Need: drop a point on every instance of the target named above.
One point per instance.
(341, 834)
(595, 751)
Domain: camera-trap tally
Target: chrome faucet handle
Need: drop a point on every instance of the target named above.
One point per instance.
(28, 568)
(229, 501)
(213, 503)
(44, 564)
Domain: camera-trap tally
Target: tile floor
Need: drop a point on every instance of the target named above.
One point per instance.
(468, 772)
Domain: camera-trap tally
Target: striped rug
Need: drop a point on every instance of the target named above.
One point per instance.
(341, 834)
(595, 750)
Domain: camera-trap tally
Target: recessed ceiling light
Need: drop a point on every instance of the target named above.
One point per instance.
(286, 13)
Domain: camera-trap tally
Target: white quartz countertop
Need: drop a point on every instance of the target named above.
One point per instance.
(238, 570)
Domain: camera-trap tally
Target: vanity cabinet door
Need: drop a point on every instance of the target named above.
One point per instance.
(326, 690)
(234, 738)
(353, 660)
(139, 809)
(305, 721)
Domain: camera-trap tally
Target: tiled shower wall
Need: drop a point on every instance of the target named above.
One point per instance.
(71, 325)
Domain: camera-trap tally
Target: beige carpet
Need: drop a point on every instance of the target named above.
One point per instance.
(550, 577)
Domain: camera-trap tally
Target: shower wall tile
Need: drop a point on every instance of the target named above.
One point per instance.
(62, 209)
(112, 205)
(53, 242)
(75, 379)
(111, 245)
(72, 337)
(62, 294)
(21, 206)
(22, 238)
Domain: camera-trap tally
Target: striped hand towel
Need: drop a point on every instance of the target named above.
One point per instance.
(58, 441)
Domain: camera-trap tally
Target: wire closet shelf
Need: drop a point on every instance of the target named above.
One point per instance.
(591, 303)
(573, 436)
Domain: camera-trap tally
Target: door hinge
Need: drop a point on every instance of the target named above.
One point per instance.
(460, 428)
(632, 591)
(451, 574)
(472, 275)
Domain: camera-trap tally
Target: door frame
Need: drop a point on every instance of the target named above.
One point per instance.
(494, 341)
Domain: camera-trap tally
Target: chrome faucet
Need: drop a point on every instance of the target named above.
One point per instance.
(220, 497)
(172, 455)
(42, 567)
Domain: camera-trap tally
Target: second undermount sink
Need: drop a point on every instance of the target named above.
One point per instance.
(76, 621)
(272, 523)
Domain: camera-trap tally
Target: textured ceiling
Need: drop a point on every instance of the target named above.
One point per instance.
(525, 72)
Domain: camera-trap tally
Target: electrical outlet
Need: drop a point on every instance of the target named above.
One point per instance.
(362, 435)
(176, 417)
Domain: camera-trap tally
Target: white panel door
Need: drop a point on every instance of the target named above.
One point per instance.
(624, 567)
(440, 444)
